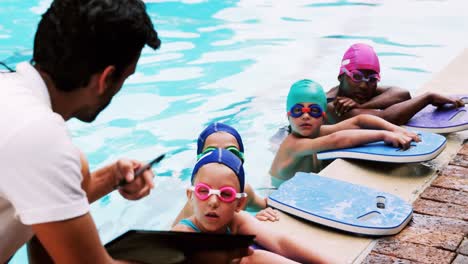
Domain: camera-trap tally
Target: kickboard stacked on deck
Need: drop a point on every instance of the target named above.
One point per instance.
(342, 205)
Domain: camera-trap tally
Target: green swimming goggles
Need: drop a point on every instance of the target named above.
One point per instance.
(232, 149)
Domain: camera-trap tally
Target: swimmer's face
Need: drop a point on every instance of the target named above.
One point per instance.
(360, 92)
(305, 125)
(213, 215)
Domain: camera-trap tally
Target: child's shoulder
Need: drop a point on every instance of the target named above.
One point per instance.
(182, 228)
(186, 225)
(243, 221)
(243, 217)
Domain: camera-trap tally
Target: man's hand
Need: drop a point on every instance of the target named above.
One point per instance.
(134, 189)
(440, 100)
(344, 104)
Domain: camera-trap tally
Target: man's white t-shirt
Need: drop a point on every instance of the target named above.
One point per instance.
(40, 177)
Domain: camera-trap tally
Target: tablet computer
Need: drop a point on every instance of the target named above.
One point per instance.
(178, 247)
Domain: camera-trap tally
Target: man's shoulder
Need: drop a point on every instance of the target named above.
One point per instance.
(38, 122)
(42, 132)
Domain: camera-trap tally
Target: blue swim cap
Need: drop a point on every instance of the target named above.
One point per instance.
(216, 127)
(224, 157)
(306, 91)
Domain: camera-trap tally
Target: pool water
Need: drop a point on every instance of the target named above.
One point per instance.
(234, 61)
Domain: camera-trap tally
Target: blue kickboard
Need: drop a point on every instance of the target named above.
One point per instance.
(342, 205)
(428, 148)
(444, 119)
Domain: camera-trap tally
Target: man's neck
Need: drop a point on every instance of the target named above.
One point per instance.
(63, 103)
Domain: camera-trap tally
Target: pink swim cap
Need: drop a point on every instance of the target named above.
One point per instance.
(360, 57)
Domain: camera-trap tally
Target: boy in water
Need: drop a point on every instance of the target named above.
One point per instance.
(358, 92)
(219, 135)
(217, 196)
(305, 109)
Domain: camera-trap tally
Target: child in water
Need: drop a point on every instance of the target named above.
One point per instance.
(217, 196)
(358, 91)
(306, 104)
(220, 135)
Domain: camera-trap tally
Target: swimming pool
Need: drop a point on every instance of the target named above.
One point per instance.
(233, 61)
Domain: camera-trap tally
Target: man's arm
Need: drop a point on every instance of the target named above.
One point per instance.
(74, 240)
(106, 179)
(96, 185)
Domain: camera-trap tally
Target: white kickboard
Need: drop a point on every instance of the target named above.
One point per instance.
(342, 205)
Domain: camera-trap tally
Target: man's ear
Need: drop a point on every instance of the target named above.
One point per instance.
(106, 78)
(241, 204)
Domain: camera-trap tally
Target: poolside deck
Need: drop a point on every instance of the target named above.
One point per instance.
(438, 190)
(439, 228)
(438, 232)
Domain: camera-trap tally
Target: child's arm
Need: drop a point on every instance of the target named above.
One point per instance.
(399, 113)
(294, 149)
(367, 122)
(263, 256)
(385, 97)
(349, 138)
(268, 214)
(276, 241)
(254, 201)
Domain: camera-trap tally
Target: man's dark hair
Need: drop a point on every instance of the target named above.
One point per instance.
(78, 38)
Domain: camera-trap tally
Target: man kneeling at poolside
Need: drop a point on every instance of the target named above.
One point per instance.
(83, 52)
(358, 92)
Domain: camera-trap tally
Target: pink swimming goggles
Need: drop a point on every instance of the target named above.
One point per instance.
(357, 76)
(226, 194)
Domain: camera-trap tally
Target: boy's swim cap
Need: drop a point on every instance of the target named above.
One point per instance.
(360, 57)
(216, 127)
(306, 91)
(224, 157)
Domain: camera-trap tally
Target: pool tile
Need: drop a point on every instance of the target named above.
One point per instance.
(444, 240)
(460, 259)
(464, 150)
(437, 223)
(455, 171)
(374, 258)
(429, 207)
(445, 195)
(460, 160)
(451, 182)
(464, 247)
(414, 252)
